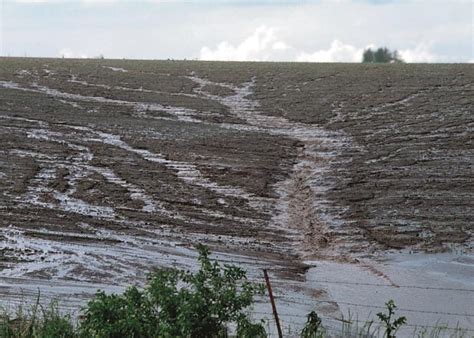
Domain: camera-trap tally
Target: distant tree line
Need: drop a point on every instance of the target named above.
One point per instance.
(381, 55)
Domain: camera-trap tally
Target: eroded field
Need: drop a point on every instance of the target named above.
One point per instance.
(110, 168)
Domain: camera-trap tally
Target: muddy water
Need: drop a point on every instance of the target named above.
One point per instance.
(101, 182)
(302, 203)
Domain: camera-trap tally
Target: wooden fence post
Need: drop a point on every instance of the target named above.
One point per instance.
(272, 300)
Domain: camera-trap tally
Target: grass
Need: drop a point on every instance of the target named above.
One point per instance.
(39, 322)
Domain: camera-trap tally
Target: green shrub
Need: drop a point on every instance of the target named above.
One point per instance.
(177, 304)
(126, 315)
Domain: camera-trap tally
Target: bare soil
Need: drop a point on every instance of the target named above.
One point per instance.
(106, 174)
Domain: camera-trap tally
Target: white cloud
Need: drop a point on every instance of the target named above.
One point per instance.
(265, 45)
(420, 54)
(262, 45)
(69, 54)
(338, 52)
(280, 45)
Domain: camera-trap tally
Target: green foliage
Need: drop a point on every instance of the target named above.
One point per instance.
(33, 324)
(313, 327)
(391, 325)
(247, 329)
(353, 327)
(439, 331)
(368, 56)
(381, 55)
(126, 315)
(56, 325)
(177, 304)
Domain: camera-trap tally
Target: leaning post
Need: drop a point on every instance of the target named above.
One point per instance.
(272, 300)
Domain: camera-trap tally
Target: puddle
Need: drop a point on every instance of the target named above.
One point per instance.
(427, 288)
(116, 69)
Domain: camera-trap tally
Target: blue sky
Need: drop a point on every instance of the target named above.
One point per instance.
(322, 30)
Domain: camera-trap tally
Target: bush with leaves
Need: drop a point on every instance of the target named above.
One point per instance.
(178, 304)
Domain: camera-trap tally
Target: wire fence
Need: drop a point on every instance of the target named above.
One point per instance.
(285, 320)
(375, 306)
(295, 319)
(391, 285)
(298, 319)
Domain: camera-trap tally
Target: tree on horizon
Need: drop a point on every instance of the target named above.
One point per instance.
(381, 55)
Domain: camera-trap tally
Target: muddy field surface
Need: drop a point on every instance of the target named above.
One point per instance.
(111, 168)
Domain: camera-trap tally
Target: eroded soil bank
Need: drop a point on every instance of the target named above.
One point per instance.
(111, 168)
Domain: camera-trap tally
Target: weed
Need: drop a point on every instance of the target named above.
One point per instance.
(313, 327)
(391, 325)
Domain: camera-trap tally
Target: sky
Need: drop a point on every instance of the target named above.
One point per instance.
(245, 30)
